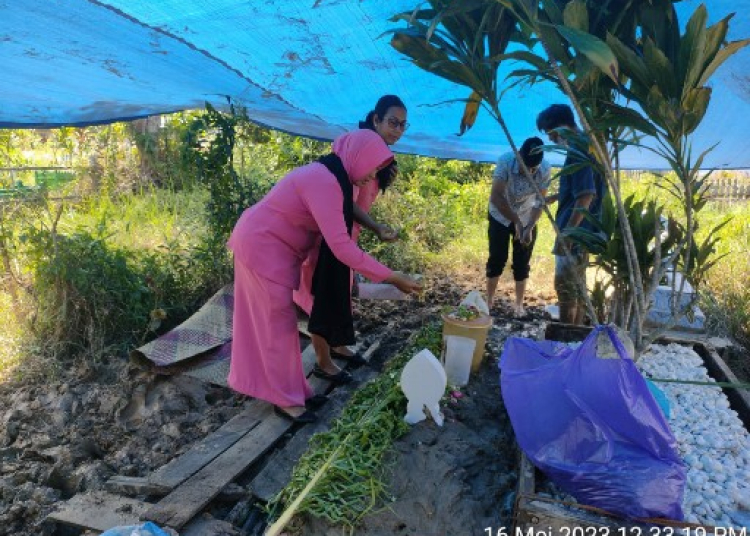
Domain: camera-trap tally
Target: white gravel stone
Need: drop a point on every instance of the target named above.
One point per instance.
(711, 438)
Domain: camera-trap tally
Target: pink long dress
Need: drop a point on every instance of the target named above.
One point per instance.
(364, 197)
(270, 242)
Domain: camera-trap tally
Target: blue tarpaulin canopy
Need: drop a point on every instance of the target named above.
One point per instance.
(308, 67)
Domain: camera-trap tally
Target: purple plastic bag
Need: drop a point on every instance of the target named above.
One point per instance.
(592, 426)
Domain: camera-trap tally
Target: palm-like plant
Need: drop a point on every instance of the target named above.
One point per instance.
(595, 51)
(461, 42)
(668, 75)
(655, 237)
(464, 42)
(586, 70)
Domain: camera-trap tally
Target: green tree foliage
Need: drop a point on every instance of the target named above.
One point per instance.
(226, 141)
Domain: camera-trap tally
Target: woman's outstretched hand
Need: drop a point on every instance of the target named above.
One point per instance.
(385, 233)
(404, 283)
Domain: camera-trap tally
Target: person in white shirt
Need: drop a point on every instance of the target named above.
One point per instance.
(514, 209)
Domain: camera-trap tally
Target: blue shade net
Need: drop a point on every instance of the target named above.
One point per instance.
(591, 424)
(308, 67)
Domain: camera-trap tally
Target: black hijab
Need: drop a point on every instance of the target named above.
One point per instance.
(331, 315)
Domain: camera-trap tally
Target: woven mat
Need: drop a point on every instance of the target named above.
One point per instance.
(201, 346)
(214, 368)
(209, 328)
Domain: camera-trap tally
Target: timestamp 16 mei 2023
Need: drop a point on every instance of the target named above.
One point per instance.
(617, 531)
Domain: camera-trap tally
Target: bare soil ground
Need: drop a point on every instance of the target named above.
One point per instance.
(71, 433)
(94, 420)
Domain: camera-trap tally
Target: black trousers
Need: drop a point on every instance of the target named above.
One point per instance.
(499, 236)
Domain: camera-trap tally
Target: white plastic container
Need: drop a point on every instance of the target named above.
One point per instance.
(380, 291)
(459, 352)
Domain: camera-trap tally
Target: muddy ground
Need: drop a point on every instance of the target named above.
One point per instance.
(71, 433)
(458, 479)
(94, 420)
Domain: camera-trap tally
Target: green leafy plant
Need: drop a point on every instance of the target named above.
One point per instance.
(431, 203)
(225, 142)
(90, 295)
(594, 53)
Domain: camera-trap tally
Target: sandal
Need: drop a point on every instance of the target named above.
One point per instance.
(354, 359)
(304, 418)
(316, 401)
(340, 378)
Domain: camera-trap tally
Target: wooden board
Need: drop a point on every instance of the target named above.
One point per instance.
(135, 485)
(739, 399)
(533, 514)
(558, 331)
(194, 494)
(526, 478)
(202, 453)
(100, 511)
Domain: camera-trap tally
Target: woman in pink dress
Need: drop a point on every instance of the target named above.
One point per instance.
(270, 241)
(388, 119)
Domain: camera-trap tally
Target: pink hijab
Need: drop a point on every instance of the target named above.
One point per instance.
(361, 151)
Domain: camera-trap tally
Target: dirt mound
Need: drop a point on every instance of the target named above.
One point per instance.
(458, 479)
(71, 435)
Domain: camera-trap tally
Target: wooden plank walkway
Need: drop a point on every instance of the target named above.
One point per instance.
(204, 452)
(191, 496)
(180, 506)
(191, 481)
(100, 511)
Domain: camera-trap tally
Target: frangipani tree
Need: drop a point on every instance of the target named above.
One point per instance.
(598, 53)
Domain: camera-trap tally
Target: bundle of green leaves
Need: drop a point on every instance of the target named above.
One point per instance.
(354, 449)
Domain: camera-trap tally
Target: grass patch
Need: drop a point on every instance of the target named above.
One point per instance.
(11, 336)
(149, 220)
(115, 272)
(727, 305)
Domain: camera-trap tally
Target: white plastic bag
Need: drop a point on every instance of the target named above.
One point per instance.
(474, 298)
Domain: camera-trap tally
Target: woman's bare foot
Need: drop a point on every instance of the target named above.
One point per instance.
(519, 311)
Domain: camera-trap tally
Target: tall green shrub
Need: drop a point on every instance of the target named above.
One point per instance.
(89, 295)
